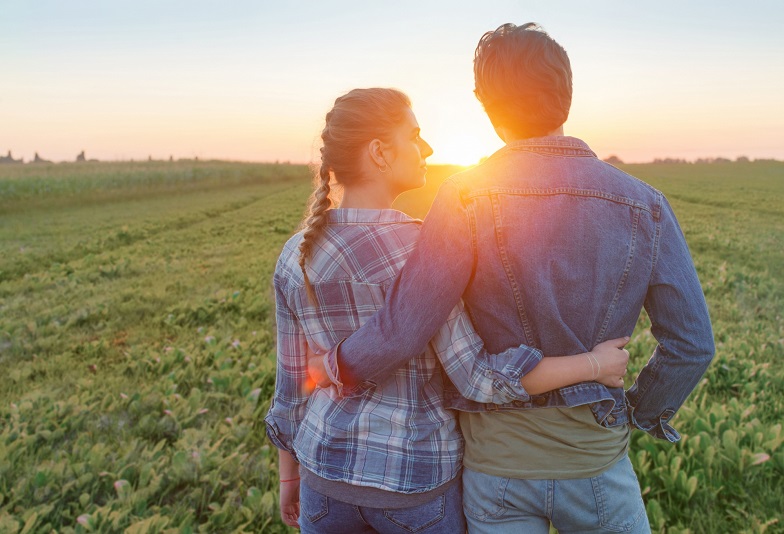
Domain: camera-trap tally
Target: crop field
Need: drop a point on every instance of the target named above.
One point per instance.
(137, 346)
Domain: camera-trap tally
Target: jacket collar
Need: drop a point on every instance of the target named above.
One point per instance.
(551, 145)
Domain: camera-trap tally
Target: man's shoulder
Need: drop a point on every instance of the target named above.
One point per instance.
(587, 176)
(636, 190)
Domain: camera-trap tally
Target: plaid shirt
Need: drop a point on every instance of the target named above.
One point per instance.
(395, 435)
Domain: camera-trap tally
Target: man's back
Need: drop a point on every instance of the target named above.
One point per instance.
(565, 246)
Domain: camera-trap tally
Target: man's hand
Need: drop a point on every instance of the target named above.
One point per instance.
(317, 371)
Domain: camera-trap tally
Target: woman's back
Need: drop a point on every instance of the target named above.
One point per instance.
(396, 435)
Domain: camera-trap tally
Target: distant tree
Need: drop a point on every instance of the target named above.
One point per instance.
(39, 159)
(613, 160)
(742, 159)
(10, 159)
(669, 160)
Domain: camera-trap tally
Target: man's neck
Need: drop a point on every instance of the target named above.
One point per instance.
(508, 137)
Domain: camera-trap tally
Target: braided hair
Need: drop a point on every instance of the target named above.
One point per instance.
(358, 117)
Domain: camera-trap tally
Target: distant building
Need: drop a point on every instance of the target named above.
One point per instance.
(10, 159)
(80, 157)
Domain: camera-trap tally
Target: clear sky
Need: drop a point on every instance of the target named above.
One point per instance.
(252, 80)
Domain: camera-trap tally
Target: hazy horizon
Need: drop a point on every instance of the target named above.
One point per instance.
(251, 81)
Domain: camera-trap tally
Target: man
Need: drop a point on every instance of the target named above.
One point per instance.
(550, 247)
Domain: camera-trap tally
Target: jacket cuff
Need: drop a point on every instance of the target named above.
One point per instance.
(660, 428)
(333, 373)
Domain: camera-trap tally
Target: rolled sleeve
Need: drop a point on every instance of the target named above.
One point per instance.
(279, 439)
(292, 390)
(478, 375)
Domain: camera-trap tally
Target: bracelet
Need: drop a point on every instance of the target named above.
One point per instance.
(598, 365)
(290, 480)
(593, 371)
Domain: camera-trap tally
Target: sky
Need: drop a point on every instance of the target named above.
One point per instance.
(252, 80)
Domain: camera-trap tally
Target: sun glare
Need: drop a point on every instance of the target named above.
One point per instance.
(461, 148)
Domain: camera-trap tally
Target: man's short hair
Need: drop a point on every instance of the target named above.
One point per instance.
(523, 79)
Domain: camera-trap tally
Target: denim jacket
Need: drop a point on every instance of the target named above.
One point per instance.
(552, 248)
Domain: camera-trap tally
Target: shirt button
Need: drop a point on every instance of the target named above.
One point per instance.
(610, 419)
(539, 401)
(518, 403)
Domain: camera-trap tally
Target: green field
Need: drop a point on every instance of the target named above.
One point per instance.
(137, 346)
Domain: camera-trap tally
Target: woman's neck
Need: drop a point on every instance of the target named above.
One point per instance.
(366, 196)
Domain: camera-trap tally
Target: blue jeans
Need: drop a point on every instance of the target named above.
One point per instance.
(610, 502)
(323, 514)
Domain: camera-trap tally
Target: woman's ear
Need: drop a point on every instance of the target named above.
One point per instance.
(376, 152)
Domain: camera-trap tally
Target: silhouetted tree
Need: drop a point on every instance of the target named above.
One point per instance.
(10, 159)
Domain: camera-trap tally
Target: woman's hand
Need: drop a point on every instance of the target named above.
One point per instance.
(289, 502)
(608, 361)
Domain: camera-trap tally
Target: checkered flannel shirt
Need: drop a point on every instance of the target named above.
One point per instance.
(395, 434)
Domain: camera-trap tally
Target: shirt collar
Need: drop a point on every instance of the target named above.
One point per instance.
(367, 216)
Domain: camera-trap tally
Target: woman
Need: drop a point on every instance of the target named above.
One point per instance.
(386, 458)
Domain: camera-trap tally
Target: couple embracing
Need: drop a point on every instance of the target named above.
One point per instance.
(471, 367)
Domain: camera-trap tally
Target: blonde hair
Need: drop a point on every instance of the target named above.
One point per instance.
(357, 118)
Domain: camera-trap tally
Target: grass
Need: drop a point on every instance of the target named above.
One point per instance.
(137, 340)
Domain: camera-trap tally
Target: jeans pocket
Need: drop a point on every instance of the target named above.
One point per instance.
(483, 495)
(419, 517)
(313, 505)
(619, 502)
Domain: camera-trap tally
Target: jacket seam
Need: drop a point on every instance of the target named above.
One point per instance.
(626, 269)
(562, 191)
(508, 270)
